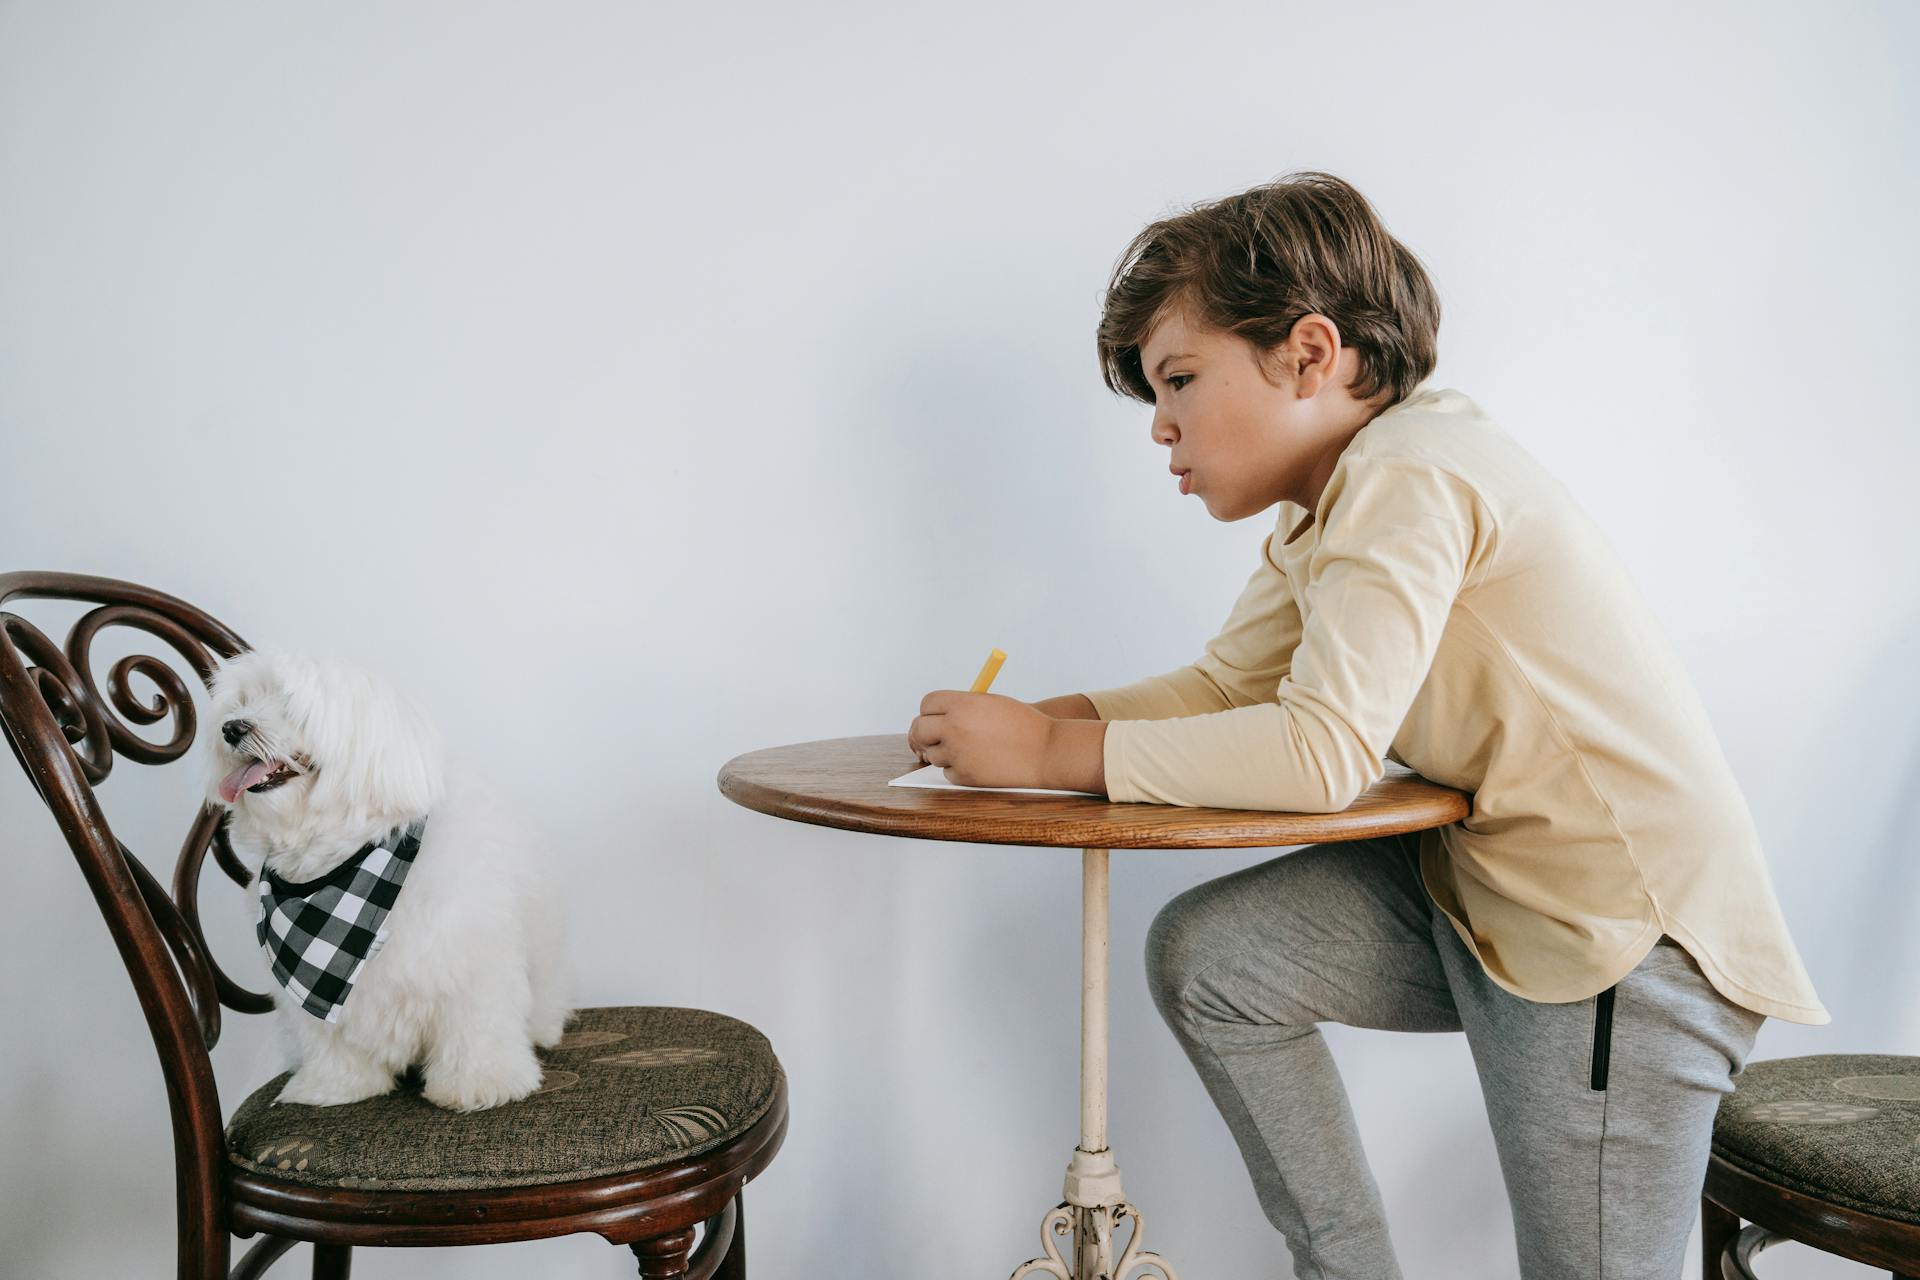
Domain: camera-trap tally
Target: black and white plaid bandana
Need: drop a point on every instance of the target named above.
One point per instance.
(319, 933)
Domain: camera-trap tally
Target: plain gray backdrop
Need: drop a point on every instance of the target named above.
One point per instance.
(644, 384)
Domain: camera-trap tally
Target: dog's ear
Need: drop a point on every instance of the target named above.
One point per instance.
(374, 751)
(405, 765)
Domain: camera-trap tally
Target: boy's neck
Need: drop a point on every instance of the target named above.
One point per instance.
(1341, 436)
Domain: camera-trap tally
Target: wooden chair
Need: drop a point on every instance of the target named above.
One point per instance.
(1823, 1150)
(648, 1123)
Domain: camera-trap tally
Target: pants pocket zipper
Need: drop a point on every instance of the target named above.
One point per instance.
(1602, 1038)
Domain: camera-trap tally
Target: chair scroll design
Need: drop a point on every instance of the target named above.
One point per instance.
(65, 736)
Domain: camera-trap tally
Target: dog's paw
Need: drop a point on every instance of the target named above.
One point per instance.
(549, 1034)
(332, 1089)
(477, 1088)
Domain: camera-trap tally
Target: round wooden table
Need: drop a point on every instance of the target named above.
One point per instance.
(842, 782)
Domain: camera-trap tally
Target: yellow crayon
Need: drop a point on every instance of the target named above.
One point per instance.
(988, 672)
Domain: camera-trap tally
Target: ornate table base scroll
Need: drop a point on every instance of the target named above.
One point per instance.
(1094, 1205)
(1092, 1231)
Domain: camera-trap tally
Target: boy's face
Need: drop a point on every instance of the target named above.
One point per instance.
(1245, 441)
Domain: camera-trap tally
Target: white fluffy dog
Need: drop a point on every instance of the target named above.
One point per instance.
(317, 761)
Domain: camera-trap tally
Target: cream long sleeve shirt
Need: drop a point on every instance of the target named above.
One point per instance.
(1448, 606)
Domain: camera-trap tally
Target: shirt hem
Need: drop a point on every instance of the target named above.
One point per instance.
(1815, 1015)
(1747, 998)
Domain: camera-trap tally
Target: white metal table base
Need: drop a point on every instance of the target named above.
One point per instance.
(1094, 1205)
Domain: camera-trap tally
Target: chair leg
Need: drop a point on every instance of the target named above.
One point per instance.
(734, 1265)
(265, 1252)
(664, 1257)
(332, 1261)
(1718, 1227)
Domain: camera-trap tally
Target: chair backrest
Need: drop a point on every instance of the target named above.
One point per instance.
(65, 736)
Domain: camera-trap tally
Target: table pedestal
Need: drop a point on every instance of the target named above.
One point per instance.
(1094, 1205)
(845, 783)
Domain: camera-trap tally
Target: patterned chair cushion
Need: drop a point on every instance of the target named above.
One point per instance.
(1843, 1127)
(627, 1088)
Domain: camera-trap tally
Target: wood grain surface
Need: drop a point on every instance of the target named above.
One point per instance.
(842, 782)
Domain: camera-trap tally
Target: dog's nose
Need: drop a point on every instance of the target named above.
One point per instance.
(234, 730)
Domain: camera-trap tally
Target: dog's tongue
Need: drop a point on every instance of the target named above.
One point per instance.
(240, 779)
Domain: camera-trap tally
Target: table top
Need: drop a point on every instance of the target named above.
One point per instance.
(842, 782)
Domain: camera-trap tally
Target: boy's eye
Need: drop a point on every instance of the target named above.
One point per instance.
(1178, 380)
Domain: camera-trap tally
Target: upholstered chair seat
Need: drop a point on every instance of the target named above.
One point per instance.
(628, 1088)
(1824, 1150)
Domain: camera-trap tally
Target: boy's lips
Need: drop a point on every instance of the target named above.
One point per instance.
(1186, 478)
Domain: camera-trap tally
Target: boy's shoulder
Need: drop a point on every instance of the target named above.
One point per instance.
(1437, 425)
(1447, 430)
(1439, 429)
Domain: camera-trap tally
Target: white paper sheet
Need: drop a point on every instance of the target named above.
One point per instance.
(934, 776)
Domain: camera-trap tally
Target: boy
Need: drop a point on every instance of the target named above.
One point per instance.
(1601, 926)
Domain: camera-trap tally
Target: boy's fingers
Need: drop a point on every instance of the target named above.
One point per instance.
(937, 701)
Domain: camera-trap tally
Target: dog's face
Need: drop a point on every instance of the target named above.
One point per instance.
(296, 742)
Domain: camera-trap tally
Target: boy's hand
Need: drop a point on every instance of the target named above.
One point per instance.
(982, 739)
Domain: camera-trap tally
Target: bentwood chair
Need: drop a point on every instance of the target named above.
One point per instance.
(648, 1122)
(1823, 1150)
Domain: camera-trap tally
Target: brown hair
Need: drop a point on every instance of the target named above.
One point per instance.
(1255, 263)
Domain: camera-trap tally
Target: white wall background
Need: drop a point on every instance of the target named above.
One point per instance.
(644, 384)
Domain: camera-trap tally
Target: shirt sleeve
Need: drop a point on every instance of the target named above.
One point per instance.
(1399, 541)
(1241, 666)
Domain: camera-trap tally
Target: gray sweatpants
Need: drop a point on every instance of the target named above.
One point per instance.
(1602, 1109)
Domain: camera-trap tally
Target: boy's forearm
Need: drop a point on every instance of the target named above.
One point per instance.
(1068, 706)
(1076, 756)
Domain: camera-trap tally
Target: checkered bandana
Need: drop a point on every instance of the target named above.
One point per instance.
(318, 934)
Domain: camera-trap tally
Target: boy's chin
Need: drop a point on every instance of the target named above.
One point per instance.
(1226, 513)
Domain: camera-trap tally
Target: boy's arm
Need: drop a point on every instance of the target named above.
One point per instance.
(1068, 706)
(1241, 666)
(1401, 539)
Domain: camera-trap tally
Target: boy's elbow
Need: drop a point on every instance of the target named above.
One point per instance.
(1326, 798)
(1341, 790)
(1330, 762)
(1332, 802)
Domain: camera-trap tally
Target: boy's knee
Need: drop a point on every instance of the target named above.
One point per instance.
(1176, 949)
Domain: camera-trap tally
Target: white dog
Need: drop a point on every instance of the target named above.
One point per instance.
(321, 764)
